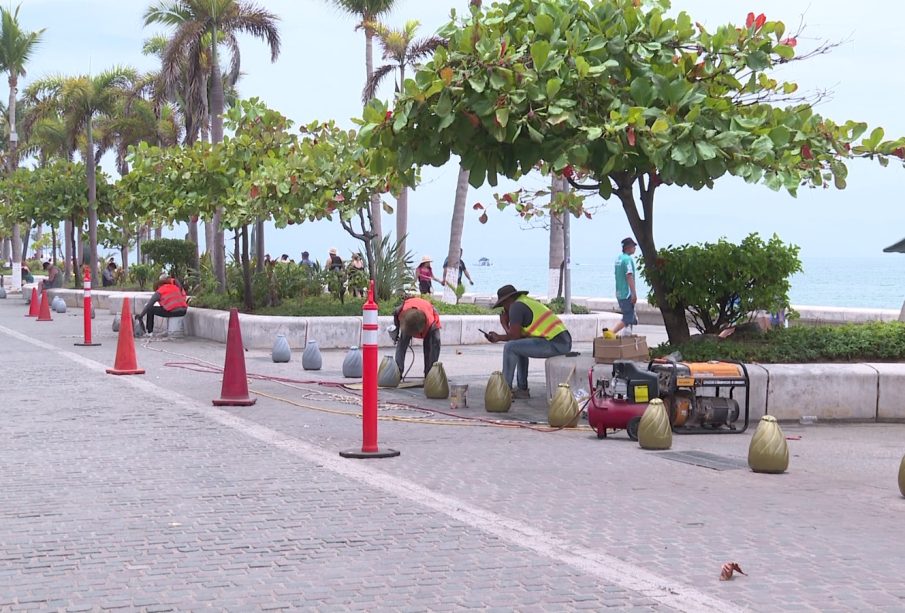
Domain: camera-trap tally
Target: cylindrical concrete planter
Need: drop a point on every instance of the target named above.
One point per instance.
(902, 476)
(311, 358)
(655, 431)
(2, 293)
(436, 385)
(497, 395)
(563, 411)
(768, 451)
(281, 351)
(55, 304)
(352, 363)
(116, 323)
(61, 306)
(388, 373)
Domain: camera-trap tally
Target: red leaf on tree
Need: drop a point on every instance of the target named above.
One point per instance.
(483, 217)
(789, 42)
(502, 48)
(254, 191)
(899, 152)
(750, 20)
(568, 172)
(655, 179)
(475, 122)
(508, 198)
(588, 215)
(477, 206)
(806, 152)
(388, 116)
(339, 198)
(760, 21)
(631, 136)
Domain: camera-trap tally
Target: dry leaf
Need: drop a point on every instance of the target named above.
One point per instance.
(728, 569)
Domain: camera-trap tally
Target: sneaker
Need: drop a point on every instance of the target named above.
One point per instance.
(520, 394)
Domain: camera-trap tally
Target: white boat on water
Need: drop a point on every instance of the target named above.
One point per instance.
(485, 262)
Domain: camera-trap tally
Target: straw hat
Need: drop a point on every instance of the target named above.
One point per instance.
(426, 259)
(332, 251)
(506, 292)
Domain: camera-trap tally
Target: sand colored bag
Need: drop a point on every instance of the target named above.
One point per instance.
(436, 385)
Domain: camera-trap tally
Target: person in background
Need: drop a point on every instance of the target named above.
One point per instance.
(425, 275)
(54, 277)
(306, 261)
(27, 277)
(168, 300)
(532, 331)
(334, 262)
(358, 276)
(417, 318)
(626, 293)
(284, 259)
(267, 261)
(108, 277)
(460, 289)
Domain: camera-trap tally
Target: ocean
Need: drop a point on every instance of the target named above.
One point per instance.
(862, 282)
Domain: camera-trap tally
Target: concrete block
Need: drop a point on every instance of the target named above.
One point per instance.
(335, 332)
(829, 391)
(450, 329)
(757, 393)
(207, 323)
(259, 331)
(891, 391)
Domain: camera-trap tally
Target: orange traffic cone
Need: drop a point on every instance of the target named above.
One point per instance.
(126, 363)
(234, 392)
(44, 311)
(33, 304)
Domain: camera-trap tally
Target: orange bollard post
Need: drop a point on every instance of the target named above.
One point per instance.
(369, 328)
(126, 362)
(234, 391)
(86, 308)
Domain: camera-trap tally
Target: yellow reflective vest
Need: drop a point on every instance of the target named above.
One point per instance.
(545, 323)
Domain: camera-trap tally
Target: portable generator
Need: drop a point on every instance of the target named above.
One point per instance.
(700, 397)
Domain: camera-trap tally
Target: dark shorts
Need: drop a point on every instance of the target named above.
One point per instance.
(424, 286)
(628, 311)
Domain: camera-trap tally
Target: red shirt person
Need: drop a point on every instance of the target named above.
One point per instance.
(168, 300)
(417, 318)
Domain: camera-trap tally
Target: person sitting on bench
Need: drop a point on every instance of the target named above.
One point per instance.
(168, 300)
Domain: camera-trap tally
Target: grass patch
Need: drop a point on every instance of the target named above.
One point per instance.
(872, 342)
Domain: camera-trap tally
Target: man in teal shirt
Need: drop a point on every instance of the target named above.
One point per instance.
(626, 295)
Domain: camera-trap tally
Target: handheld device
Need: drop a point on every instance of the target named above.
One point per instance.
(486, 334)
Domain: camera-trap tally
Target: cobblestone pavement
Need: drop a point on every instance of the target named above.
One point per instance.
(115, 497)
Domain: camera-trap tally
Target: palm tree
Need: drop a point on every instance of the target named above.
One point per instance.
(16, 49)
(81, 101)
(401, 48)
(451, 280)
(200, 26)
(368, 12)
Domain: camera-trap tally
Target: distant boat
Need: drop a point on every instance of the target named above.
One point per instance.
(484, 262)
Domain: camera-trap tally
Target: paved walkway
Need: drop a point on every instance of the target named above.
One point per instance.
(135, 493)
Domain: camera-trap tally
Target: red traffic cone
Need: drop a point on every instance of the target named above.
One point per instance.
(44, 310)
(234, 392)
(34, 304)
(126, 363)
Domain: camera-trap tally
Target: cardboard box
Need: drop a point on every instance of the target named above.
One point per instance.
(607, 351)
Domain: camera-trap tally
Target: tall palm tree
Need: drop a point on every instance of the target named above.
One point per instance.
(82, 100)
(451, 280)
(367, 12)
(16, 49)
(401, 48)
(199, 27)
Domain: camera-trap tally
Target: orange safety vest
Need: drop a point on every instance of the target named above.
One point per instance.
(171, 297)
(430, 313)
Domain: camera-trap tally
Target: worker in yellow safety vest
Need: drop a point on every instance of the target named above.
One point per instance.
(532, 331)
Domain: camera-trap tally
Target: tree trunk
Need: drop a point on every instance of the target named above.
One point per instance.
(90, 164)
(158, 233)
(71, 267)
(193, 236)
(246, 272)
(376, 224)
(6, 249)
(218, 254)
(124, 256)
(643, 228)
(25, 239)
(556, 254)
(13, 161)
(455, 238)
(259, 245)
(402, 219)
(53, 244)
(39, 234)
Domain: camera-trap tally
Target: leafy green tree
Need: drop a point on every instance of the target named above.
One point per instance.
(16, 49)
(626, 94)
(199, 25)
(722, 284)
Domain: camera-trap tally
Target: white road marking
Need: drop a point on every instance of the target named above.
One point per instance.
(605, 567)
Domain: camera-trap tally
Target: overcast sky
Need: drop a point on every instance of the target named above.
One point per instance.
(321, 70)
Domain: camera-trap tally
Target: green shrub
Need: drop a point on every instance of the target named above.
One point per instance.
(175, 255)
(558, 305)
(722, 284)
(878, 342)
(142, 273)
(392, 270)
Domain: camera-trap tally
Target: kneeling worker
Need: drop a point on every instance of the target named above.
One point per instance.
(168, 300)
(532, 331)
(417, 318)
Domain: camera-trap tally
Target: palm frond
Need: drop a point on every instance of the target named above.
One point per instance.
(259, 23)
(374, 81)
(423, 48)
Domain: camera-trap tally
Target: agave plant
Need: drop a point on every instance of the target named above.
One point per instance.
(392, 270)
